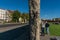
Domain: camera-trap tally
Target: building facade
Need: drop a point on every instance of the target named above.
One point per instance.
(5, 15)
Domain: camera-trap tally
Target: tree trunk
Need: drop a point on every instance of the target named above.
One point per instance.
(34, 22)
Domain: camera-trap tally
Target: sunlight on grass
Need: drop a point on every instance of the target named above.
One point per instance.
(54, 29)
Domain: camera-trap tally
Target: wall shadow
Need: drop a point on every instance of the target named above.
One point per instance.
(21, 33)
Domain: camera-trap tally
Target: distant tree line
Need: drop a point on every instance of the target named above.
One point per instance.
(16, 15)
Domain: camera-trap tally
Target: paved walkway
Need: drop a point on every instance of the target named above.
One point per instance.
(46, 37)
(57, 37)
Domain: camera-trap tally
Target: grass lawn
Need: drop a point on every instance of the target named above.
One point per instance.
(54, 29)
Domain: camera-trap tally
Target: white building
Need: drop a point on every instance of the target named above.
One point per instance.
(5, 15)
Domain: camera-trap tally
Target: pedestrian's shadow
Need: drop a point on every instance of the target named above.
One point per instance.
(42, 34)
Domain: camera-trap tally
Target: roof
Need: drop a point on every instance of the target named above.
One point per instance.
(11, 11)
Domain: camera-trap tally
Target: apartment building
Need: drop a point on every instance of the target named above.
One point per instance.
(9, 15)
(5, 15)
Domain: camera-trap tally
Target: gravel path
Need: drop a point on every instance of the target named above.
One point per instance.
(46, 37)
(57, 37)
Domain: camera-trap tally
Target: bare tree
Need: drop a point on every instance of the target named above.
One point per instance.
(34, 22)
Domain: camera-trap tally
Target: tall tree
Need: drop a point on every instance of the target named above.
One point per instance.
(25, 16)
(16, 16)
(34, 22)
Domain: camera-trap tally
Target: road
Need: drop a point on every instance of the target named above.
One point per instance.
(7, 27)
(16, 32)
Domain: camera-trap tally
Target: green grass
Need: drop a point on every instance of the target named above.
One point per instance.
(54, 29)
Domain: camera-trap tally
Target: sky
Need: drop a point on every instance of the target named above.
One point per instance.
(48, 8)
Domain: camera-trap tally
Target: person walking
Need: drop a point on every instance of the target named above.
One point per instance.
(47, 27)
(42, 28)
